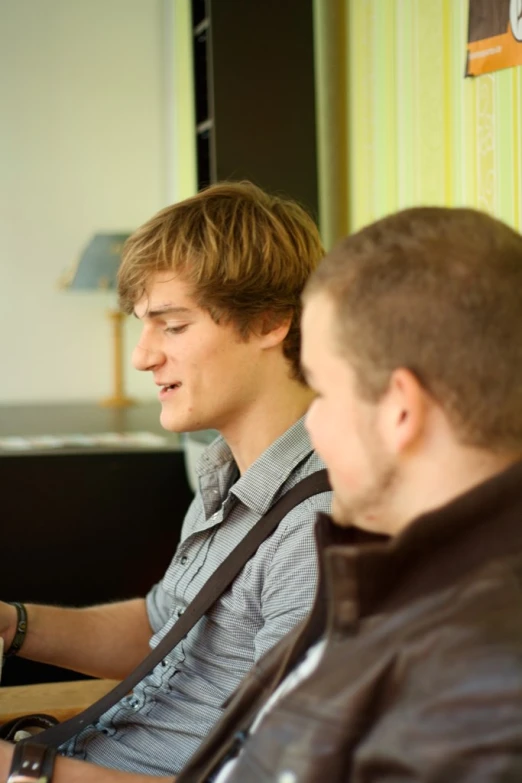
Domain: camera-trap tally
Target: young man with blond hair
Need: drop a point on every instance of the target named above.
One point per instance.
(216, 281)
(409, 666)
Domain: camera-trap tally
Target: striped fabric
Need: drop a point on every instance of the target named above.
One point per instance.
(158, 727)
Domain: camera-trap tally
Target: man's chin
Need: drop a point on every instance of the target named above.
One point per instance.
(176, 423)
(172, 423)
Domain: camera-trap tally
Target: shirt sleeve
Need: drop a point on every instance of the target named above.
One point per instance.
(158, 607)
(292, 574)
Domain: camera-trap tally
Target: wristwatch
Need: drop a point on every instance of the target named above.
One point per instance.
(32, 763)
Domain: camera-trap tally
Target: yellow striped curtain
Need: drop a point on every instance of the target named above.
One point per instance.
(417, 131)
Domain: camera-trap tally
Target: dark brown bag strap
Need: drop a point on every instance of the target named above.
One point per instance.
(208, 595)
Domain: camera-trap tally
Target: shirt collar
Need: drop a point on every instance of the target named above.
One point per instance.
(258, 486)
(264, 479)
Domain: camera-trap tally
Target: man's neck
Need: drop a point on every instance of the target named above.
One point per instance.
(263, 422)
(443, 480)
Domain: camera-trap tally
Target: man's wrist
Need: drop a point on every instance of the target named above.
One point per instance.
(6, 757)
(20, 630)
(32, 762)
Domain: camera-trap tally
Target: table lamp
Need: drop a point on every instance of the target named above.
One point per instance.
(97, 270)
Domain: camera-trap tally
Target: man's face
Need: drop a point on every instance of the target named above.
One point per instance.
(205, 372)
(344, 427)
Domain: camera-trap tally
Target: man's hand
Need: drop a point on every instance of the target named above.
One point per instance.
(8, 622)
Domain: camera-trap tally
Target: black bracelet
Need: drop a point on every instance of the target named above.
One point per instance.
(32, 761)
(21, 630)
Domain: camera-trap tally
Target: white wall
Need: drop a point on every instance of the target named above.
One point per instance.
(84, 112)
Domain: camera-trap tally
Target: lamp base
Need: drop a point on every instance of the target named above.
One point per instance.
(118, 399)
(117, 402)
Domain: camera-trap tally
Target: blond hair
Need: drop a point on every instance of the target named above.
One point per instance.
(245, 254)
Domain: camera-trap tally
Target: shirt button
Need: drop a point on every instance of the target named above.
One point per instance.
(180, 612)
(184, 560)
(134, 704)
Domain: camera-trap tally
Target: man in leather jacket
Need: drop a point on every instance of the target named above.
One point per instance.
(409, 667)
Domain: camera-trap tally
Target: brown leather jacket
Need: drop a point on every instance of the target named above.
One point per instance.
(421, 679)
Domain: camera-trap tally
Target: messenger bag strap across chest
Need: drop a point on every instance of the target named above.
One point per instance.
(222, 577)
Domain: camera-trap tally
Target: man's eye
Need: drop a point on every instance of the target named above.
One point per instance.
(175, 329)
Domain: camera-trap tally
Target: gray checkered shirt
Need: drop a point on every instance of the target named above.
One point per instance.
(157, 728)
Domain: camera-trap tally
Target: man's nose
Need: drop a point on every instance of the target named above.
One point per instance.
(146, 357)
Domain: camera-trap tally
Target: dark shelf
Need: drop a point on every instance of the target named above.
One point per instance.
(88, 526)
(205, 126)
(255, 95)
(202, 27)
(199, 11)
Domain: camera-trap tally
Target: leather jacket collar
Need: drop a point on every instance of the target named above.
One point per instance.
(379, 573)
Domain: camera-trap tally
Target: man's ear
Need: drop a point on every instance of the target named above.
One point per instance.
(404, 410)
(273, 331)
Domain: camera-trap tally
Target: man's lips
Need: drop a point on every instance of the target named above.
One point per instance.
(167, 389)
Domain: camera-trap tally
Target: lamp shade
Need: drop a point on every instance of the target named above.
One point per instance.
(98, 264)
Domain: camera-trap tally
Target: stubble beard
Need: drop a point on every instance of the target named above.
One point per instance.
(370, 509)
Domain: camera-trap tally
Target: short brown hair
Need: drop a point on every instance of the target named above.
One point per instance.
(437, 291)
(245, 254)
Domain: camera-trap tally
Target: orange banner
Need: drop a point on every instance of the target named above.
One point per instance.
(495, 35)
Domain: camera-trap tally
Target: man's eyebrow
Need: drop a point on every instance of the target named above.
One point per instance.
(163, 310)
